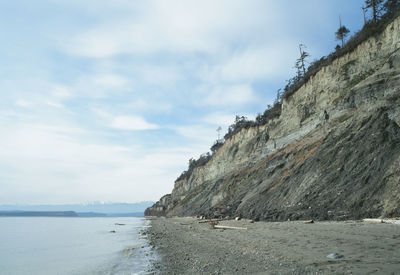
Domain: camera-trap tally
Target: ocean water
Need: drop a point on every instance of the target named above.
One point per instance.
(36, 245)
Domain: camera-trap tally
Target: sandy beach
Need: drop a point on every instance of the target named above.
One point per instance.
(189, 247)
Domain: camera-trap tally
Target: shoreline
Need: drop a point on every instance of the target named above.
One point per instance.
(186, 246)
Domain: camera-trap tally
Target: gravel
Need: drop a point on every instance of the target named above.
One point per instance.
(189, 247)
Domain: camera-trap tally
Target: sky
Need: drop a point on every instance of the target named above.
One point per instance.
(108, 100)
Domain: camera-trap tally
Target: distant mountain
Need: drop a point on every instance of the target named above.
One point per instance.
(91, 214)
(38, 214)
(91, 209)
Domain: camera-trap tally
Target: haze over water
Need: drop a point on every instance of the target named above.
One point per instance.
(31, 245)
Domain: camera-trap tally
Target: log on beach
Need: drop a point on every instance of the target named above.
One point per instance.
(373, 220)
(216, 220)
(391, 221)
(227, 227)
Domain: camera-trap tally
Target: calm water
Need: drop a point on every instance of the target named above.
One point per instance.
(33, 245)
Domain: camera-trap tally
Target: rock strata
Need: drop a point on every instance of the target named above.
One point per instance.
(334, 153)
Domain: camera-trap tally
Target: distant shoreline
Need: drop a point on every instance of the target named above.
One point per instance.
(38, 214)
(21, 213)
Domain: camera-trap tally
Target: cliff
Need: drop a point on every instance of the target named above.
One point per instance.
(334, 153)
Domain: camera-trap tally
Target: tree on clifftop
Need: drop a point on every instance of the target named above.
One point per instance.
(300, 62)
(391, 6)
(376, 6)
(341, 34)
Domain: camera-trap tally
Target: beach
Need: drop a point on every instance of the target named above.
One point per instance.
(294, 247)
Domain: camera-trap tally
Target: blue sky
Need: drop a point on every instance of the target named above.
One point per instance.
(107, 100)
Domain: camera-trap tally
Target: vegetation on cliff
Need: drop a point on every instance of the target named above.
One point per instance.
(340, 162)
(383, 13)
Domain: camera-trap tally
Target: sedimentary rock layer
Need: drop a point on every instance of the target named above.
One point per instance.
(334, 153)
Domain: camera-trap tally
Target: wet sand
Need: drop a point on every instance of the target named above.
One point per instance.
(189, 247)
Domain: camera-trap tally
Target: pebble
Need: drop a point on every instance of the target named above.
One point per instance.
(335, 256)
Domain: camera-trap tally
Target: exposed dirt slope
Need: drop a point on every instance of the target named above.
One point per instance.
(333, 154)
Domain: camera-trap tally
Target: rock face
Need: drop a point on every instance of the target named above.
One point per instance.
(334, 153)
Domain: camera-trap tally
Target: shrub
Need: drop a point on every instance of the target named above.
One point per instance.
(193, 163)
(217, 144)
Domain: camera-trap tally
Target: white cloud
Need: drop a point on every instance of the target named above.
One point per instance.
(52, 164)
(230, 95)
(109, 81)
(94, 44)
(100, 85)
(200, 136)
(148, 105)
(61, 91)
(268, 62)
(219, 119)
(65, 130)
(134, 123)
(23, 103)
(54, 104)
(37, 94)
(174, 61)
(123, 122)
(159, 75)
(174, 26)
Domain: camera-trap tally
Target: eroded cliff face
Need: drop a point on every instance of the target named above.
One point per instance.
(334, 153)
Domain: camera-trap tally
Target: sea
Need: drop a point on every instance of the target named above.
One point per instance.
(74, 245)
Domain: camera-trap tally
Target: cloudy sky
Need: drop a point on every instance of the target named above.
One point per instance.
(107, 100)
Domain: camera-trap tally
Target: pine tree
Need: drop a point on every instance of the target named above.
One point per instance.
(376, 6)
(300, 62)
(391, 6)
(341, 34)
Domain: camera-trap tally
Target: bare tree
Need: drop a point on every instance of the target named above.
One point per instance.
(219, 129)
(278, 98)
(364, 9)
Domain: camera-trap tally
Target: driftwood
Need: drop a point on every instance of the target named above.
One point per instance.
(214, 225)
(216, 220)
(373, 220)
(391, 221)
(309, 221)
(227, 227)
